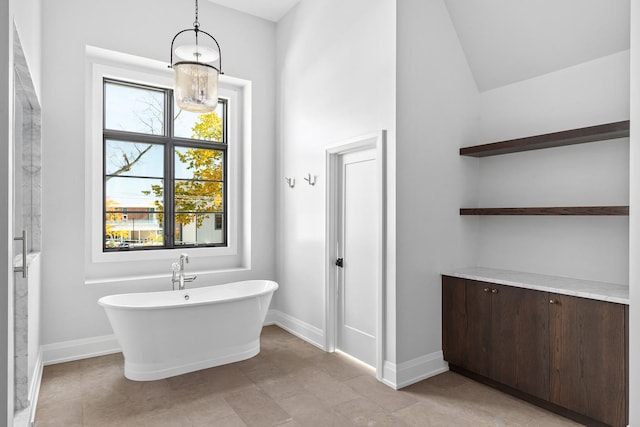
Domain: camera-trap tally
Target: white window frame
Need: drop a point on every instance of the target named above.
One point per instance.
(102, 63)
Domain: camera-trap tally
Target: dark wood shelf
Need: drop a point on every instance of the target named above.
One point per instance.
(567, 210)
(556, 139)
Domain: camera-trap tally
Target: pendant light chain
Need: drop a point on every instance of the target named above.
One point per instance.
(196, 24)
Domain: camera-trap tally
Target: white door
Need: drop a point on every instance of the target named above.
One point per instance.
(358, 251)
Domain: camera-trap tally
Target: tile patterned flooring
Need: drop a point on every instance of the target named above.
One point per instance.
(290, 383)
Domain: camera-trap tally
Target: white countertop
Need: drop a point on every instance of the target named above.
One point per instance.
(611, 292)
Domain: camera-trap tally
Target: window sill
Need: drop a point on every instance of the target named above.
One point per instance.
(164, 278)
(162, 254)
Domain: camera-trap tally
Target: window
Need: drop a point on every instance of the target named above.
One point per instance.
(164, 171)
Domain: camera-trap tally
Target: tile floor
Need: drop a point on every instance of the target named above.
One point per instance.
(290, 383)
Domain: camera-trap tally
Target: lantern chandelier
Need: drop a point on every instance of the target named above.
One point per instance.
(196, 79)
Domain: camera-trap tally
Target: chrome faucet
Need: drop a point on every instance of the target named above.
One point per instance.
(178, 273)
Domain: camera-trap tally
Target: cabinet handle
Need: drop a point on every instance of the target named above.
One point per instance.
(487, 290)
(494, 291)
(553, 301)
(22, 269)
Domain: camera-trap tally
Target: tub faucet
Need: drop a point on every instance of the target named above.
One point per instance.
(178, 273)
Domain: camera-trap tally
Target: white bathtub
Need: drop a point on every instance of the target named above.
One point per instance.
(163, 334)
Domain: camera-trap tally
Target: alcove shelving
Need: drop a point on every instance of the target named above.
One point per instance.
(601, 132)
(556, 139)
(564, 210)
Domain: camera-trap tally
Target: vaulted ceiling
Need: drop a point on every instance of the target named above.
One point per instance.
(271, 10)
(506, 41)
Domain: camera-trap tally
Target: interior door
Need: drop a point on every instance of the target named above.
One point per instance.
(358, 242)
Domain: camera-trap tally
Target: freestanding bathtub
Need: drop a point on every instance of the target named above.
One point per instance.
(168, 333)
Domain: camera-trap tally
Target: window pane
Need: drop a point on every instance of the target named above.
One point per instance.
(199, 229)
(204, 126)
(133, 109)
(134, 159)
(145, 191)
(198, 163)
(198, 196)
(133, 229)
(133, 194)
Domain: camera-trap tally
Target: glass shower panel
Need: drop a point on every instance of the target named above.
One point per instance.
(26, 228)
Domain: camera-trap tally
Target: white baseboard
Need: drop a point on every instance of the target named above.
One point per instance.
(404, 374)
(394, 375)
(68, 351)
(271, 318)
(297, 327)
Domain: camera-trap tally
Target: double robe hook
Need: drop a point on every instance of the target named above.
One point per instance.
(311, 179)
(291, 182)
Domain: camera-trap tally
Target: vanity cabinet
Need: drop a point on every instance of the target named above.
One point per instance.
(566, 353)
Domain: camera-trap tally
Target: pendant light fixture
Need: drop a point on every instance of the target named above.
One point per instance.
(196, 79)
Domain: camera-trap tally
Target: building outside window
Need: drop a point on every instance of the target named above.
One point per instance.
(164, 171)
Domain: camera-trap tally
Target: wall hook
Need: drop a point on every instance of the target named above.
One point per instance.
(311, 179)
(291, 182)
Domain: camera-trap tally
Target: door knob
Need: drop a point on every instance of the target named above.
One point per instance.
(494, 291)
(486, 290)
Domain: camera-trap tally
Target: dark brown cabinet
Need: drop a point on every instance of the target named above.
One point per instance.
(520, 350)
(454, 320)
(496, 331)
(567, 351)
(588, 358)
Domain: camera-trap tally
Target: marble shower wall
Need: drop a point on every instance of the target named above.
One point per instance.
(30, 134)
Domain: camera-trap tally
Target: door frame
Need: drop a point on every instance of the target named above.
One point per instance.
(377, 141)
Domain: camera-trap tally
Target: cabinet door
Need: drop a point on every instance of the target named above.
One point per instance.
(454, 320)
(588, 358)
(520, 339)
(477, 353)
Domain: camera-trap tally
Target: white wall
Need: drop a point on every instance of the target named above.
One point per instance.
(143, 28)
(336, 66)
(437, 112)
(592, 248)
(634, 220)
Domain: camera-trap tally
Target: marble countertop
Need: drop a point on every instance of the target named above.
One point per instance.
(611, 292)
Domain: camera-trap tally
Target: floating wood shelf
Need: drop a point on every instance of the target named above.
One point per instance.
(556, 139)
(567, 210)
